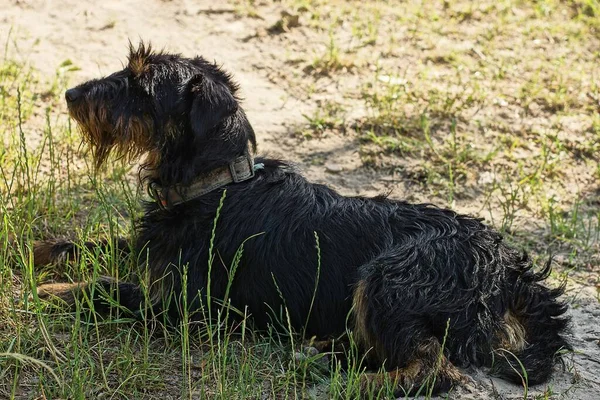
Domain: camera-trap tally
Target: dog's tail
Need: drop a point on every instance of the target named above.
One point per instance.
(534, 327)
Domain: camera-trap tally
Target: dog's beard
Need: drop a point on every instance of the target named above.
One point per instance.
(127, 139)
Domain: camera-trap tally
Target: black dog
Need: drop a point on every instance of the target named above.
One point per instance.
(402, 277)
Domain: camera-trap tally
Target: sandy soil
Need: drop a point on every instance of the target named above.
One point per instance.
(94, 37)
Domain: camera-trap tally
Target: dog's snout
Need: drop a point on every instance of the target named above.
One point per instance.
(73, 95)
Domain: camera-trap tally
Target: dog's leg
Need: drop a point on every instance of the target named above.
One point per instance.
(328, 345)
(99, 295)
(399, 338)
(336, 349)
(46, 252)
(429, 371)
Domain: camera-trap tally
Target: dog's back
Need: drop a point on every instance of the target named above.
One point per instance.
(413, 273)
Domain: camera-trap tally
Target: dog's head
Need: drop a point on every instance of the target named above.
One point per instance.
(161, 104)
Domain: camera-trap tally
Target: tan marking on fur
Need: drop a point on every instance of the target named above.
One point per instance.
(428, 363)
(513, 336)
(320, 345)
(430, 352)
(42, 253)
(153, 158)
(69, 292)
(360, 330)
(450, 371)
(66, 292)
(429, 349)
(130, 135)
(362, 334)
(138, 64)
(406, 377)
(139, 130)
(95, 128)
(149, 167)
(133, 135)
(408, 373)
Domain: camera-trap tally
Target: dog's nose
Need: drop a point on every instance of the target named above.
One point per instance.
(72, 95)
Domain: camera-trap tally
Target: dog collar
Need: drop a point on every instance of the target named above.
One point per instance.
(239, 170)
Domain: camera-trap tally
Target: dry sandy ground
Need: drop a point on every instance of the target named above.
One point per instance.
(94, 36)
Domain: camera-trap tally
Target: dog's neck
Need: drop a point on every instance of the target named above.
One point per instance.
(186, 155)
(239, 170)
(189, 165)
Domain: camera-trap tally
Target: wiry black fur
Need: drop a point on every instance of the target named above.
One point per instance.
(414, 267)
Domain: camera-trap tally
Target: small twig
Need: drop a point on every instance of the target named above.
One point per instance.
(479, 53)
(210, 11)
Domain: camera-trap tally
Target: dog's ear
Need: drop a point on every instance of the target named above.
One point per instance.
(212, 102)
